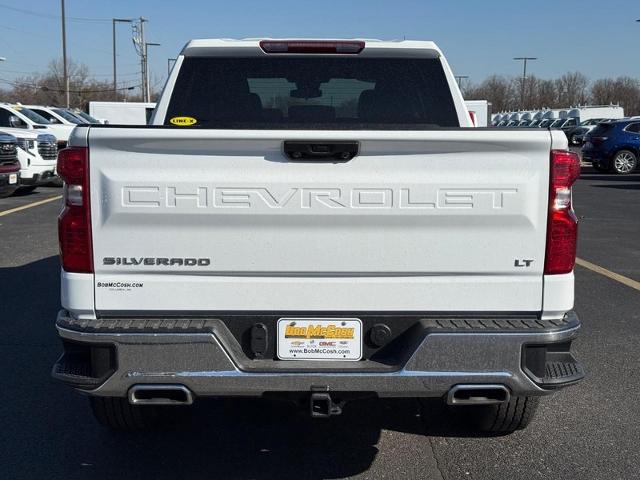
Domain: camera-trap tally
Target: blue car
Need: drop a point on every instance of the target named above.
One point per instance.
(613, 147)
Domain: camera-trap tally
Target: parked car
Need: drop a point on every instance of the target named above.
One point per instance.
(74, 113)
(369, 230)
(37, 154)
(17, 116)
(569, 123)
(9, 165)
(88, 118)
(56, 115)
(564, 124)
(613, 146)
(576, 134)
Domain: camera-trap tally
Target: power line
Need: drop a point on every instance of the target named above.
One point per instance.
(90, 75)
(49, 89)
(51, 16)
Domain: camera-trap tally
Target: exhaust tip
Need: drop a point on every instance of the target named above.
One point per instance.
(160, 395)
(478, 395)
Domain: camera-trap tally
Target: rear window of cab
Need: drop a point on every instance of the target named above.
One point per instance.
(311, 92)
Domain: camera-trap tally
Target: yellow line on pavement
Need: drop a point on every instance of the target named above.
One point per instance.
(29, 205)
(609, 274)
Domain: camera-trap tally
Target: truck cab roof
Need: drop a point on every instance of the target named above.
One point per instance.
(252, 46)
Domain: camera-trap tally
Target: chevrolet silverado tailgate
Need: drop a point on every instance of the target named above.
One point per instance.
(218, 220)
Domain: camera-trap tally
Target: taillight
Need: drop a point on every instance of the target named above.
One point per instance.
(562, 225)
(472, 116)
(597, 140)
(312, 46)
(74, 222)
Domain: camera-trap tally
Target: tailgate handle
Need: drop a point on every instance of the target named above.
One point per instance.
(336, 151)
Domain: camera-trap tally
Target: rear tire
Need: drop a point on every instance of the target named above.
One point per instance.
(624, 162)
(506, 417)
(118, 414)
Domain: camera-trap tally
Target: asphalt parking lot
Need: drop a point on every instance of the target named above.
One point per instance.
(589, 431)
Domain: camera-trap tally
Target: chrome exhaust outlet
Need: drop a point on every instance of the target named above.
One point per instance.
(158, 394)
(478, 395)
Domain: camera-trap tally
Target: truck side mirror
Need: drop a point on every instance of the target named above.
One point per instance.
(15, 122)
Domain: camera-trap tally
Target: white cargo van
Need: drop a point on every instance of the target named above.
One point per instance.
(122, 113)
(481, 111)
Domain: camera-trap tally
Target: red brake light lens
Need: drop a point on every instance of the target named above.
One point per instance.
(562, 227)
(312, 46)
(565, 168)
(472, 116)
(72, 164)
(74, 222)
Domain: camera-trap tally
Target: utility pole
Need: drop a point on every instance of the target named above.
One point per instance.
(142, 49)
(524, 76)
(143, 58)
(115, 77)
(146, 68)
(65, 73)
(139, 43)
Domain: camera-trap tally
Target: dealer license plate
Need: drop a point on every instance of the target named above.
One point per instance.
(319, 339)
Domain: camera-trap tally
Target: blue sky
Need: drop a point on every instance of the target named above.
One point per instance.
(479, 37)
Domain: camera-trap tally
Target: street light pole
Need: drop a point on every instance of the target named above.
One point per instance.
(115, 78)
(146, 69)
(64, 55)
(524, 76)
(459, 79)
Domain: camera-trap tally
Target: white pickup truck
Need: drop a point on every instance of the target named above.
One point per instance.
(37, 154)
(313, 219)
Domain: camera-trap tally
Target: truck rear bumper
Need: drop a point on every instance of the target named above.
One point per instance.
(107, 357)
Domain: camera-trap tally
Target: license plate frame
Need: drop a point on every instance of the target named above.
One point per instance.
(330, 339)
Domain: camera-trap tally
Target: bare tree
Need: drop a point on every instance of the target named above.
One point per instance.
(571, 89)
(624, 91)
(48, 88)
(544, 95)
(500, 91)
